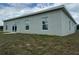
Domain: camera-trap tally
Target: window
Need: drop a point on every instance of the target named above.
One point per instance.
(69, 25)
(6, 27)
(27, 27)
(14, 28)
(45, 24)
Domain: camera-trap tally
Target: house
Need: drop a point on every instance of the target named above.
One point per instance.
(53, 21)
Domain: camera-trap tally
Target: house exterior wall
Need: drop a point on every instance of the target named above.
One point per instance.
(57, 24)
(68, 26)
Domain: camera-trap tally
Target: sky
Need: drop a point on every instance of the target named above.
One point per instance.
(11, 10)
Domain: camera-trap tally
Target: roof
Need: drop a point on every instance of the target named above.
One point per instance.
(61, 7)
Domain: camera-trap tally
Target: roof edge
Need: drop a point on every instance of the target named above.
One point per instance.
(44, 11)
(38, 12)
(69, 15)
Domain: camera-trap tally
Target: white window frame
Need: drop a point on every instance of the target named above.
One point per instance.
(15, 28)
(46, 20)
(27, 23)
(6, 27)
(69, 25)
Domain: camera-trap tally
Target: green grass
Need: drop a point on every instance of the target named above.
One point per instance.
(29, 44)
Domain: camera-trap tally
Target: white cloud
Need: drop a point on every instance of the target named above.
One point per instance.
(19, 9)
(73, 8)
(22, 9)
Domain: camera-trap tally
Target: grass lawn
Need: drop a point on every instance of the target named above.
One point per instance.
(28, 44)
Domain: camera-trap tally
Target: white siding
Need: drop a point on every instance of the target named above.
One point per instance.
(58, 24)
(66, 27)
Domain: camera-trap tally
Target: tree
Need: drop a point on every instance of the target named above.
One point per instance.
(78, 27)
(1, 28)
